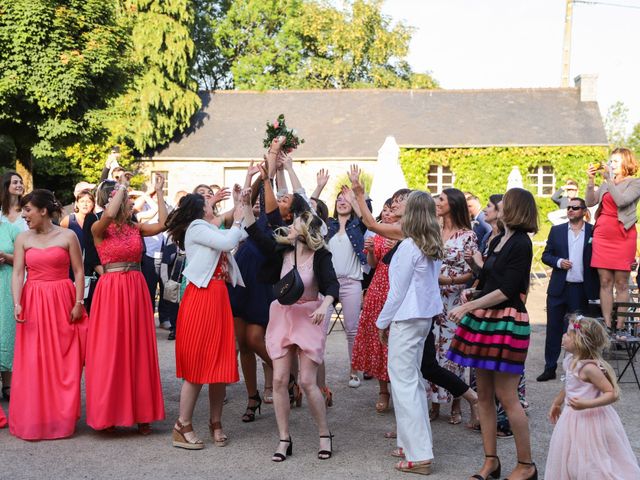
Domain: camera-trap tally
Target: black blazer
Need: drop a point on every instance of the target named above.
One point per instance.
(272, 266)
(558, 247)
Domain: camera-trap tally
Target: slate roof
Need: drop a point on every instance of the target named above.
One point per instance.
(355, 123)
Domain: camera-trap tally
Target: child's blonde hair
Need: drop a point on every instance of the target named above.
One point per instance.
(590, 340)
(420, 223)
(310, 228)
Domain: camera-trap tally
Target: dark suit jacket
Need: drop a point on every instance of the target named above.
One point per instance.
(557, 248)
(481, 228)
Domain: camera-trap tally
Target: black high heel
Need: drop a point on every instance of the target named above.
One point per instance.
(535, 470)
(326, 454)
(278, 457)
(494, 474)
(250, 414)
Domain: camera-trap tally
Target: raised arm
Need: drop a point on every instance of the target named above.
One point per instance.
(322, 178)
(287, 160)
(387, 230)
(591, 194)
(110, 213)
(147, 229)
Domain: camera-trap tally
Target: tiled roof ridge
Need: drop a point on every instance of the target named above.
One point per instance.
(384, 90)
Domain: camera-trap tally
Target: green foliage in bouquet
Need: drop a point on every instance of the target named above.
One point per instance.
(278, 129)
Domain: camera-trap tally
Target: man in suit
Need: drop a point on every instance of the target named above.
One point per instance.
(573, 282)
(480, 227)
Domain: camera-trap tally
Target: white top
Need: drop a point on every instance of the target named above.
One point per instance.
(413, 286)
(203, 244)
(576, 248)
(345, 261)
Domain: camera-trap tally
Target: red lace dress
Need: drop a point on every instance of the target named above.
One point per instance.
(205, 339)
(369, 354)
(122, 374)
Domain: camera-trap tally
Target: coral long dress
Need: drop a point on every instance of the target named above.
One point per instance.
(122, 373)
(369, 354)
(49, 351)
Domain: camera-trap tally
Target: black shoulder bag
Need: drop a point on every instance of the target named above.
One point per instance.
(290, 288)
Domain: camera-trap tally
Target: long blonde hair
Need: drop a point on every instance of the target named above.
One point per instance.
(420, 224)
(590, 339)
(309, 226)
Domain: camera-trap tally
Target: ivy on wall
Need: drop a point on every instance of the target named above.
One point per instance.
(484, 171)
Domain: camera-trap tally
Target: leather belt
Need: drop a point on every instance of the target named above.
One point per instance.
(121, 267)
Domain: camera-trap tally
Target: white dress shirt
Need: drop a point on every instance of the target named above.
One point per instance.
(413, 286)
(203, 244)
(576, 249)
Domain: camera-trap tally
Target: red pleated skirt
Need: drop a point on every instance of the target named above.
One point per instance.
(205, 339)
(122, 373)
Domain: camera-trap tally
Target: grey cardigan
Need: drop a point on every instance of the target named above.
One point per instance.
(626, 195)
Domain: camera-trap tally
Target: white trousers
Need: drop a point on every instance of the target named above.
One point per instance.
(406, 343)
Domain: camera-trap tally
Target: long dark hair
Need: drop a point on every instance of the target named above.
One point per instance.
(6, 196)
(190, 208)
(43, 199)
(458, 208)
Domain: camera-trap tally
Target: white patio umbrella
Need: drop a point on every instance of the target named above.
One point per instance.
(515, 179)
(387, 175)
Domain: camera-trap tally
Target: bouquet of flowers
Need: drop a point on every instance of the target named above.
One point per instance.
(279, 128)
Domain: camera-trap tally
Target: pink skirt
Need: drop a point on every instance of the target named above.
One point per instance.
(290, 326)
(590, 444)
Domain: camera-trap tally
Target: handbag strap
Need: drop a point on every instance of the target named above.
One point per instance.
(295, 254)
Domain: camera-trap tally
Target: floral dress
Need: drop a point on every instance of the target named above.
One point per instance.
(454, 265)
(369, 354)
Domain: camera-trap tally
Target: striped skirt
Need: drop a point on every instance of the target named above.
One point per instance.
(205, 339)
(492, 339)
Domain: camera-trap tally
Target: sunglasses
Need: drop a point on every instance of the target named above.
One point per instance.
(574, 208)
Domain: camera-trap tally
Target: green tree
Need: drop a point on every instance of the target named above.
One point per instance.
(633, 141)
(162, 95)
(59, 63)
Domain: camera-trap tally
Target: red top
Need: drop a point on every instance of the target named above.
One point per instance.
(121, 243)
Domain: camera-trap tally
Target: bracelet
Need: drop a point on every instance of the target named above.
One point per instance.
(16, 305)
(79, 302)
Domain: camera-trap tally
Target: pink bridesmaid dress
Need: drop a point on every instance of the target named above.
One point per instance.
(49, 351)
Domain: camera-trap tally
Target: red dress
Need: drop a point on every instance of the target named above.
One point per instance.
(49, 351)
(122, 375)
(205, 339)
(369, 354)
(614, 247)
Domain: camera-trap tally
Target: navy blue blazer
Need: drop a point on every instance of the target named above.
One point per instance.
(558, 247)
(481, 229)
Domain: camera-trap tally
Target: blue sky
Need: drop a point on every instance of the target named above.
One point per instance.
(518, 43)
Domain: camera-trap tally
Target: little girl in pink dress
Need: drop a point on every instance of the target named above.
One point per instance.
(589, 440)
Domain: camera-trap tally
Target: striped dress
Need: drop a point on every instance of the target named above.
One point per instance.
(497, 338)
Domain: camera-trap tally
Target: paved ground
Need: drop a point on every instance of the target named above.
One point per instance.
(360, 449)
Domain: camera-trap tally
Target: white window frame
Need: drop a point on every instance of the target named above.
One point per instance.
(440, 184)
(540, 180)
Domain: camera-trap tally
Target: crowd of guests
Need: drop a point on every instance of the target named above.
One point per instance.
(443, 316)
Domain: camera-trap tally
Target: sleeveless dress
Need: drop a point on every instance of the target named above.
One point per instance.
(614, 247)
(369, 354)
(290, 325)
(49, 355)
(122, 374)
(8, 234)
(589, 444)
(205, 339)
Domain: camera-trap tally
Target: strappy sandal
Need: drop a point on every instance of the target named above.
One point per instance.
(494, 474)
(434, 414)
(533, 476)
(391, 434)
(326, 454)
(398, 452)
(382, 406)
(328, 396)
(455, 418)
(279, 457)
(144, 429)
(250, 414)
(267, 395)
(421, 468)
(180, 440)
(218, 440)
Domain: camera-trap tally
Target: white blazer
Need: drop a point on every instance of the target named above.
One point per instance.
(203, 244)
(413, 286)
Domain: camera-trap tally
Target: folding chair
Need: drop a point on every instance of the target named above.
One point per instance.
(538, 268)
(629, 347)
(336, 317)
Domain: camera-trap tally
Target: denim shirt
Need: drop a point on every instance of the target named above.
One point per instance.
(355, 231)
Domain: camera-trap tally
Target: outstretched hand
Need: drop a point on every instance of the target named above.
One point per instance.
(221, 195)
(158, 184)
(354, 176)
(322, 177)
